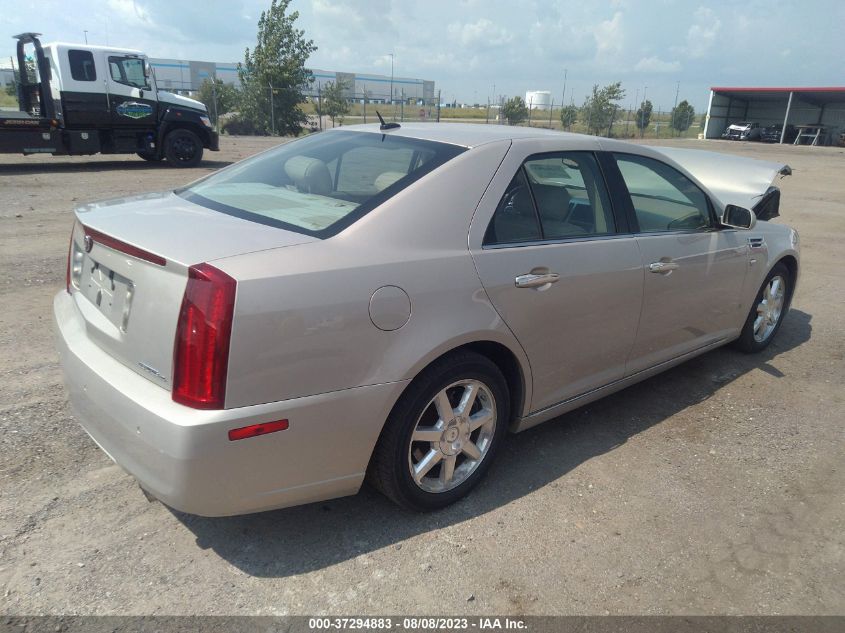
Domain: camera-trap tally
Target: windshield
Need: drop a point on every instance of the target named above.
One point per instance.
(321, 184)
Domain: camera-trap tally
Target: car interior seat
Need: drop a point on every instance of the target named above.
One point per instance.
(310, 175)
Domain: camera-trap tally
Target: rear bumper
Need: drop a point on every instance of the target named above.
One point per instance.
(183, 456)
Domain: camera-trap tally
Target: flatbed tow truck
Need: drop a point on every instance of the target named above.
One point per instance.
(81, 100)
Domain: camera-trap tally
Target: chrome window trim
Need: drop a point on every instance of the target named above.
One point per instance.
(568, 240)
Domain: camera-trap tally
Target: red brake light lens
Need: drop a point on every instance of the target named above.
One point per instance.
(201, 354)
(123, 247)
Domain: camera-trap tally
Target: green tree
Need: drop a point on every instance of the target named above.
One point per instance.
(515, 111)
(32, 75)
(644, 116)
(274, 75)
(568, 116)
(599, 109)
(335, 103)
(682, 116)
(218, 97)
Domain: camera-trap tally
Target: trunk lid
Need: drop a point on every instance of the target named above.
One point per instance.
(732, 179)
(129, 261)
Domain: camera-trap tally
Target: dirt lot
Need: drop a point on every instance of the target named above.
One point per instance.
(716, 488)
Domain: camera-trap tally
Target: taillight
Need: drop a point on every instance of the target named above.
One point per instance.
(201, 352)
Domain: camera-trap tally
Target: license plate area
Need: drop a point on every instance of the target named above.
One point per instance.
(109, 291)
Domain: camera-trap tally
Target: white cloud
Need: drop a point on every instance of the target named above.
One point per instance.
(130, 11)
(656, 65)
(609, 34)
(481, 33)
(702, 34)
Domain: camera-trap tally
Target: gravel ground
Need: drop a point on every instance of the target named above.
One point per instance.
(716, 488)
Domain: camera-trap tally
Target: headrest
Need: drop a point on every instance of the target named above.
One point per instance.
(310, 175)
(387, 178)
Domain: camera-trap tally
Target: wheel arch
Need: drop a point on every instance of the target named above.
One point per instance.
(513, 365)
(791, 263)
(168, 126)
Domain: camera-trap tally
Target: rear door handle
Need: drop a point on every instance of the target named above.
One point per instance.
(662, 267)
(535, 281)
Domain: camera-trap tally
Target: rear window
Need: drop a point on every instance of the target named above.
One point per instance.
(320, 184)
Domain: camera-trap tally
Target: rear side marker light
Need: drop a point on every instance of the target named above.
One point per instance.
(254, 430)
(201, 350)
(93, 236)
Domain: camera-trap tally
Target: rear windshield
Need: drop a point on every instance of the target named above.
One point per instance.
(320, 184)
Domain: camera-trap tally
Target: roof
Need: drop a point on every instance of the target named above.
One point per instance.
(91, 47)
(463, 134)
(823, 94)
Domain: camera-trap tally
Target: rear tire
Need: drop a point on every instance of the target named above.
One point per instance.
(183, 148)
(767, 312)
(423, 461)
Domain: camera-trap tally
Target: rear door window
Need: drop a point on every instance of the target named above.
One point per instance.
(82, 65)
(553, 197)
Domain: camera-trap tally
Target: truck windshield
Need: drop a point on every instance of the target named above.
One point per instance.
(321, 184)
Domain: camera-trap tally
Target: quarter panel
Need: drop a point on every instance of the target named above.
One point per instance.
(302, 323)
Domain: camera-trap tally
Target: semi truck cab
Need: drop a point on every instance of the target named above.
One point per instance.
(80, 99)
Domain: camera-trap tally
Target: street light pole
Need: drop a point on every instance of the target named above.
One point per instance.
(86, 36)
(563, 96)
(391, 78)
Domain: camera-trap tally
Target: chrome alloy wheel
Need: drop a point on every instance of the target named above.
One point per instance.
(452, 436)
(769, 309)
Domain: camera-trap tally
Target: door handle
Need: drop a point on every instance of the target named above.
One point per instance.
(662, 267)
(535, 281)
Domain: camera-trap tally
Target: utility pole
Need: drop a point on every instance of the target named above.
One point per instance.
(438, 106)
(391, 79)
(563, 96)
(86, 36)
(551, 110)
(675, 107)
(320, 104)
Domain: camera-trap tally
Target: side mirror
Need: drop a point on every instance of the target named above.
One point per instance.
(738, 217)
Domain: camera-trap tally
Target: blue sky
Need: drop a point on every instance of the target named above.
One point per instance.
(473, 49)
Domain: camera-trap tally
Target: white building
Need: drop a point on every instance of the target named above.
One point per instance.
(184, 75)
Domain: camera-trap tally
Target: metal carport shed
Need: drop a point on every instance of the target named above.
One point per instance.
(767, 106)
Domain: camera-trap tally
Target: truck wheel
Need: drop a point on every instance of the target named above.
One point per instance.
(183, 148)
(153, 158)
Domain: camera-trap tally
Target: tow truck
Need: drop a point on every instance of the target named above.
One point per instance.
(81, 100)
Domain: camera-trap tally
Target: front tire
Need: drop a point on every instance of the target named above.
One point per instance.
(443, 433)
(183, 148)
(767, 312)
